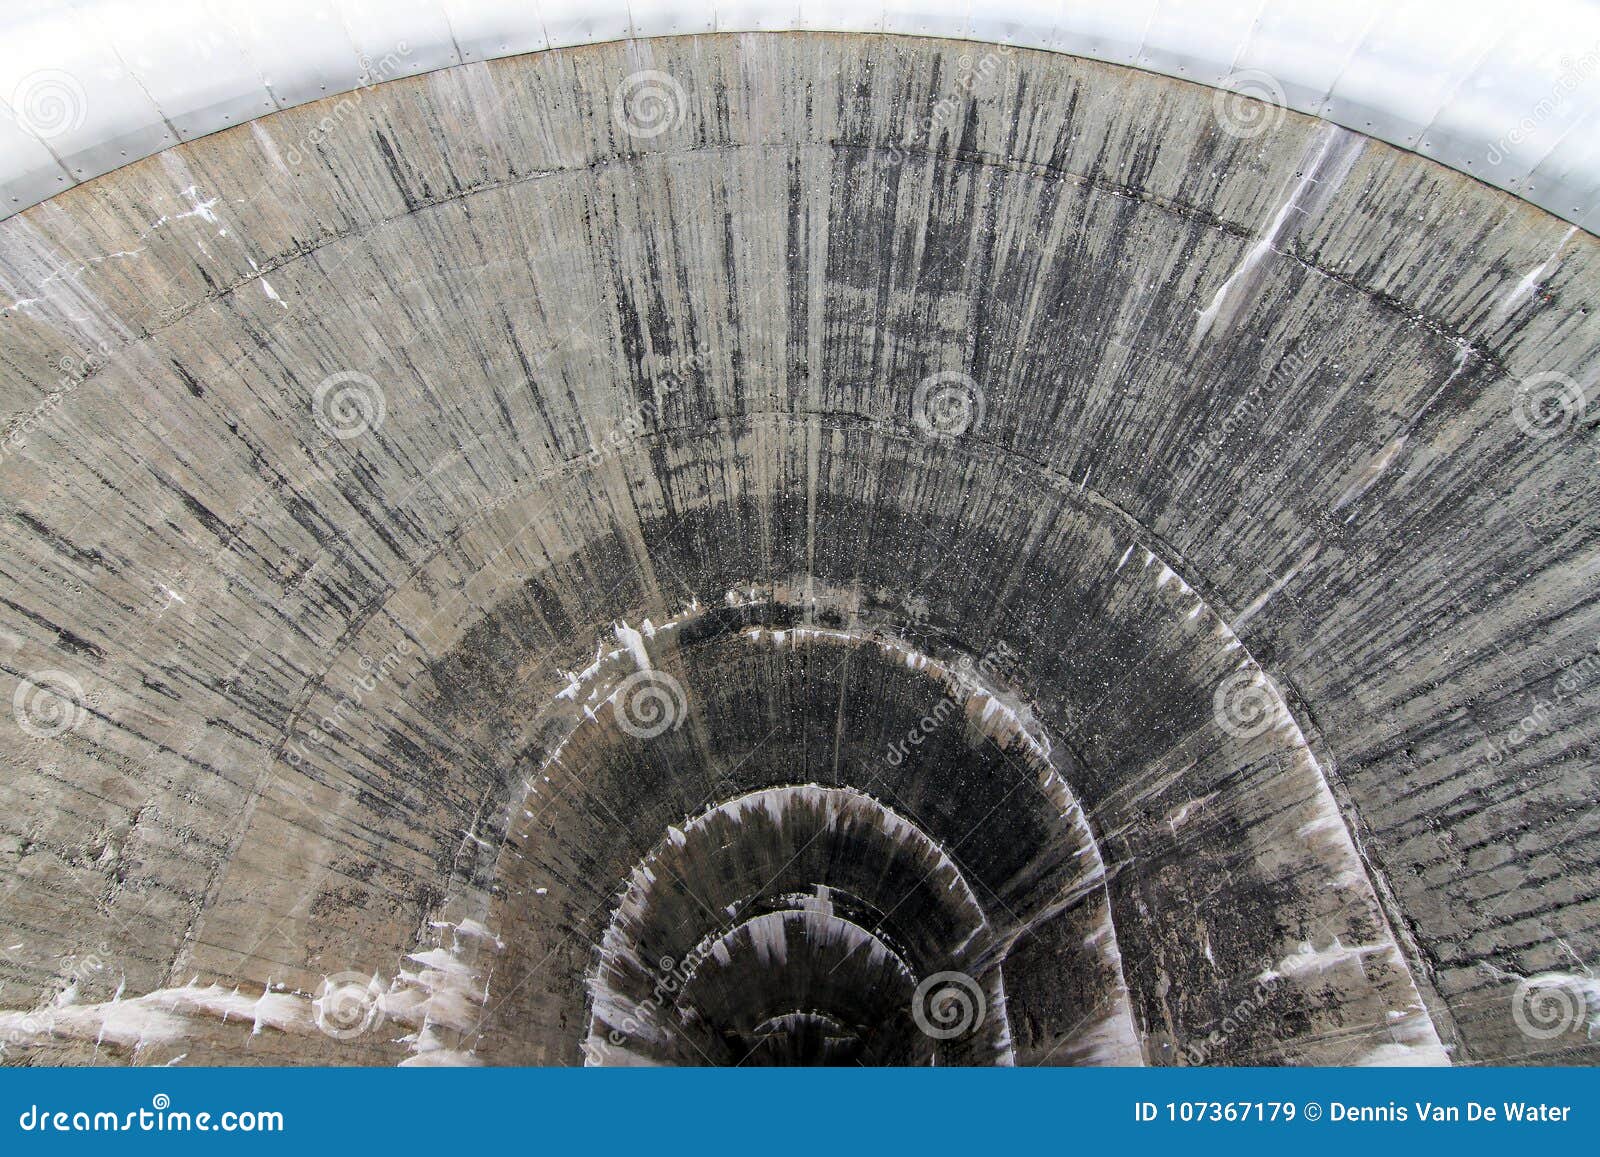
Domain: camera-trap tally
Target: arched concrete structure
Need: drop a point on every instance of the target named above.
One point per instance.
(1496, 92)
(422, 519)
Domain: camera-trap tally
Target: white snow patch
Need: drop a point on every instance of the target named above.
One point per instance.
(1308, 960)
(1532, 280)
(633, 642)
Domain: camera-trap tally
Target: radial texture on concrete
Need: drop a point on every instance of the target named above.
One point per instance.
(794, 548)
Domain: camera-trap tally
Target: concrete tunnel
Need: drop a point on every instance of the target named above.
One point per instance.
(905, 544)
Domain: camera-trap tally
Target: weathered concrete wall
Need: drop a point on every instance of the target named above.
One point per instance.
(373, 447)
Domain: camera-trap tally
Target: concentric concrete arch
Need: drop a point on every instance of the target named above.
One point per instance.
(1495, 92)
(430, 511)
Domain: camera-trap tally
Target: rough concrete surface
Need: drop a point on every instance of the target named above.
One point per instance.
(875, 549)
